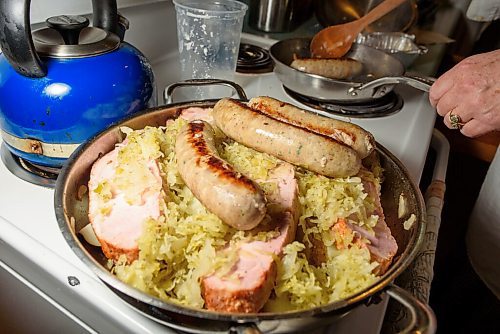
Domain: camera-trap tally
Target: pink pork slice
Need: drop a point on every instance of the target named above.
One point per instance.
(197, 113)
(382, 246)
(248, 285)
(119, 229)
(381, 243)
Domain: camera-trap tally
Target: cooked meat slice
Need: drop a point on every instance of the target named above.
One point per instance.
(316, 250)
(382, 245)
(380, 242)
(247, 286)
(197, 113)
(118, 223)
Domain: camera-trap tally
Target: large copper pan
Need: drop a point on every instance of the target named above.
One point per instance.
(71, 207)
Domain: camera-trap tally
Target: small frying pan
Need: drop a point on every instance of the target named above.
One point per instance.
(381, 72)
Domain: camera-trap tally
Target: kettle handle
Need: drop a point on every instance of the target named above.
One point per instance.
(105, 15)
(15, 37)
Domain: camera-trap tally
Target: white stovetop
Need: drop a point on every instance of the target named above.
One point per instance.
(32, 247)
(406, 134)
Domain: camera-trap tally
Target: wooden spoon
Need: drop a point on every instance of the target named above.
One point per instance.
(335, 41)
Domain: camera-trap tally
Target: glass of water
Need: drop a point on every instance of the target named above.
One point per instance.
(209, 37)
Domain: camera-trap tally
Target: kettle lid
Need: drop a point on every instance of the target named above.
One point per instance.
(69, 36)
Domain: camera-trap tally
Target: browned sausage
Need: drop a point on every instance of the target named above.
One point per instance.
(296, 145)
(233, 197)
(350, 134)
(344, 68)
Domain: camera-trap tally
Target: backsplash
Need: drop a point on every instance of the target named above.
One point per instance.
(41, 9)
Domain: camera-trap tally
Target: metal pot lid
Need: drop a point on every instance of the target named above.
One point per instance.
(69, 36)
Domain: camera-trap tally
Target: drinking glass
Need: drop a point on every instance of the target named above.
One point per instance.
(209, 35)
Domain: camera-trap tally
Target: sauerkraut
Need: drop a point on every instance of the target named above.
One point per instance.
(188, 242)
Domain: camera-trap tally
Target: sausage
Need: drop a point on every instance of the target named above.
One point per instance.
(295, 145)
(231, 196)
(344, 68)
(350, 134)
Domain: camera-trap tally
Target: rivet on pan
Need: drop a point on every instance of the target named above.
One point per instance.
(73, 281)
(82, 190)
(35, 146)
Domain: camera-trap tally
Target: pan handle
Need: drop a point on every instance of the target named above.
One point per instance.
(416, 81)
(169, 91)
(422, 317)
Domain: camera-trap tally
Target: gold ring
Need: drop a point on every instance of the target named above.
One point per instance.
(456, 122)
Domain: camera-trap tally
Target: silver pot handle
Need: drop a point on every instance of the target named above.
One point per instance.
(169, 91)
(419, 82)
(422, 317)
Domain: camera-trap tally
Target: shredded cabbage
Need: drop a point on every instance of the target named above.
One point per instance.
(188, 242)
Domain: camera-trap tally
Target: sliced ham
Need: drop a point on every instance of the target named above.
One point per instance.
(382, 245)
(248, 285)
(116, 222)
(380, 242)
(197, 113)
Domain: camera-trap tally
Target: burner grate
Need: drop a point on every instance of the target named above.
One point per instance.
(36, 174)
(379, 107)
(253, 59)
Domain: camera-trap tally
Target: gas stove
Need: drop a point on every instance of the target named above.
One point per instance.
(34, 253)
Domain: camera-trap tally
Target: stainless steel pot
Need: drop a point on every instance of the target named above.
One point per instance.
(71, 207)
(278, 15)
(381, 72)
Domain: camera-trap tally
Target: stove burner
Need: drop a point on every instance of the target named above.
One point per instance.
(253, 59)
(383, 106)
(27, 171)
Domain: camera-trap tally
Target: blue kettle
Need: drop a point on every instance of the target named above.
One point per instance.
(62, 84)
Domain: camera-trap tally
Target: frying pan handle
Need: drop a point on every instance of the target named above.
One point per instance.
(422, 317)
(418, 82)
(169, 91)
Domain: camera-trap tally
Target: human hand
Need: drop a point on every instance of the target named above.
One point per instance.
(470, 90)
